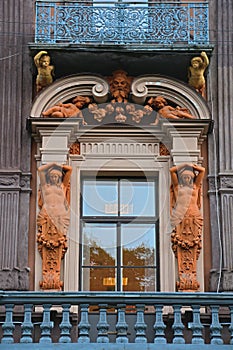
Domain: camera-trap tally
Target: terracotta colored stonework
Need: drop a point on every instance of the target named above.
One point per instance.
(186, 222)
(53, 221)
(163, 151)
(75, 148)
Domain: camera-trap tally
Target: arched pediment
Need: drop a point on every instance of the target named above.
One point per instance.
(176, 92)
(68, 88)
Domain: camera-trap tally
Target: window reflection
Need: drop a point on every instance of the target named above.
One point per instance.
(97, 279)
(138, 244)
(137, 197)
(99, 197)
(99, 244)
(139, 279)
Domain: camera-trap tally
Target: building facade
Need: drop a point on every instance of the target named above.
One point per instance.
(103, 114)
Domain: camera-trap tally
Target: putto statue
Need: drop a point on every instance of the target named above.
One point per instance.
(53, 221)
(196, 73)
(68, 110)
(186, 221)
(45, 70)
(160, 104)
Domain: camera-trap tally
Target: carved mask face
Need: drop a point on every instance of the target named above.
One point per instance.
(119, 83)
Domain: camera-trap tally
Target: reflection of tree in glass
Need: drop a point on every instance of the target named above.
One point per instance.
(139, 256)
(141, 278)
(99, 256)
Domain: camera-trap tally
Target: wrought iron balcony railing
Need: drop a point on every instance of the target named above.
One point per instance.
(140, 22)
(157, 321)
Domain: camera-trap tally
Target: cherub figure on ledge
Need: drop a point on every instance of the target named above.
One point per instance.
(168, 112)
(45, 73)
(196, 73)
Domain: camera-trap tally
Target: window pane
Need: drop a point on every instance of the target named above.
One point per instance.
(137, 198)
(138, 245)
(139, 279)
(99, 244)
(97, 279)
(100, 198)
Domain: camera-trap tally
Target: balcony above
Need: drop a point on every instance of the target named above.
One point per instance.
(142, 24)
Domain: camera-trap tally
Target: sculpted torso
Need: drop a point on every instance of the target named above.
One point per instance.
(54, 200)
(186, 199)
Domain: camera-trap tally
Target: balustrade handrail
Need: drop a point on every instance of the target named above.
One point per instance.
(128, 298)
(202, 306)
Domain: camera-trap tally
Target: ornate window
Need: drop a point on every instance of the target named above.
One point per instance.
(119, 250)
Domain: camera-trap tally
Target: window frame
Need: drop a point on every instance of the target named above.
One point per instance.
(119, 220)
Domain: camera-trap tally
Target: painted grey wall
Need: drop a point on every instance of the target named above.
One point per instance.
(220, 87)
(16, 27)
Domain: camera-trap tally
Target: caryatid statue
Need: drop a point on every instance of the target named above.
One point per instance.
(187, 222)
(53, 221)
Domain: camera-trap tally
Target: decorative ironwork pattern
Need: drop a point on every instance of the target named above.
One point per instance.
(122, 23)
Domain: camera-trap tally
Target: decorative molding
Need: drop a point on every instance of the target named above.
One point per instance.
(14, 279)
(124, 149)
(163, 150)
(15, 181)
(68, 88)
(9, 181)
(178, 92)
(75, 148)
(226, 181)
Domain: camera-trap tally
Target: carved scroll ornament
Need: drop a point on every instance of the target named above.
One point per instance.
(120, 107)
(53, 221)
(186, 222)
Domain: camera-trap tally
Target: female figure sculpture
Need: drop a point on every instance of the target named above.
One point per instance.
(53, 221)
(186, 221)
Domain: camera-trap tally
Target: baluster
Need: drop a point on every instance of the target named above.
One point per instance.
(159, 326)
(178, 326)
(27, 325)
(8, 326)
(231, 325)
(196, 326)
(46, 325)
(121, 326)
(102, 325)
(215, 327)
(84, 325)
(140, 326)
(65, 325)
